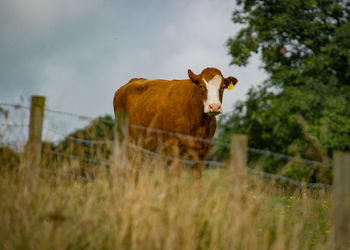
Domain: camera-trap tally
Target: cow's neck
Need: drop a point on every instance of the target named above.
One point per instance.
(204, 125)
(206, 119)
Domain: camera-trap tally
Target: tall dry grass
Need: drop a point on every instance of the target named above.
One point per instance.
(70, 205)
(41, 210)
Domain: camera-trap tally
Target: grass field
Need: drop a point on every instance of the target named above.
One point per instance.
(57, 208)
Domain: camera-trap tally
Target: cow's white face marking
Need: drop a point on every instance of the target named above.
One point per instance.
(213, 87)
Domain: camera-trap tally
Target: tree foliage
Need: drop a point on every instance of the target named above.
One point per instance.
(89, 144)
(303, 106)
(99, 130)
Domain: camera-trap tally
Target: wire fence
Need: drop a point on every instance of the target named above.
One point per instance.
(96, 162)
(16, 106)
(207, 163)
(14, 125)
(289, 157)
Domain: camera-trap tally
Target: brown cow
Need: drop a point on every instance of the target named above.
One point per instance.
(186, 107)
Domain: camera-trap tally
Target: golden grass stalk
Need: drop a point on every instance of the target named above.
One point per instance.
(70, 204)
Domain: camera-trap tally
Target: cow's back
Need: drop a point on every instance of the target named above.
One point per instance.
(162, 104)
(170, 106)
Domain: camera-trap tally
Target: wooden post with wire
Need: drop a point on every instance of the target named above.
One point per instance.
(33, 146)
(341, 180)
(121, 133)
(239, 159)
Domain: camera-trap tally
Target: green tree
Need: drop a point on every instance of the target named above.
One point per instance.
(79, 142)
(303, 106)
(90, 144)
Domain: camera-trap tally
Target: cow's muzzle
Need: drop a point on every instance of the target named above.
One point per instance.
(214, 109)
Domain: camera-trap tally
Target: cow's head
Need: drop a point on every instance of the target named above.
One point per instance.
(212, 85)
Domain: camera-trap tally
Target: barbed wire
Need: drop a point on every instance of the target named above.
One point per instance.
(289, 180)
(65, 174)
(250, 170)
(14, 125)
(12, 143)
(79, 140)
(179, 135)
(82, 117)
(16, 106)
(76, 157)
(218, 165)
(159, 131)
(188, 137)
(227, 145)
(289, 157)
(89, 141)
(185, 161)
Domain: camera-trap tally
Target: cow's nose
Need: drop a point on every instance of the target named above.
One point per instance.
(215, 108)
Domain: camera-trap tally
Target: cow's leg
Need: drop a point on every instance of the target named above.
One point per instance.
(173, 149)
(199, 153)
(197, 167)
(197, 171)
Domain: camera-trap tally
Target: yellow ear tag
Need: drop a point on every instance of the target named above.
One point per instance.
(230, 87)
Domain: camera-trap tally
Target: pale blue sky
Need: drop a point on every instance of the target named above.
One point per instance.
(78, 52)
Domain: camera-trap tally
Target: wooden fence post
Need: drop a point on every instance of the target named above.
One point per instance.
(239, 158)
(341, 180)
(33, 146)
(121, 134)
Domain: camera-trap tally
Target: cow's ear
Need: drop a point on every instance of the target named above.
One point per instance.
(193, 76)
(230, 82)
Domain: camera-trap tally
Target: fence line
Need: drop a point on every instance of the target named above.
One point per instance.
(290, 180)
(254, 150)
(159, 131)
(289, 157)
(227, 145)
(12, 143)
(77, 157)
(189, 163)
(16, 106)
(189, 137)
(185, 161)
(250, 170)
(79, 140)
(82, 117)
(13, 125)
(88, 141)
